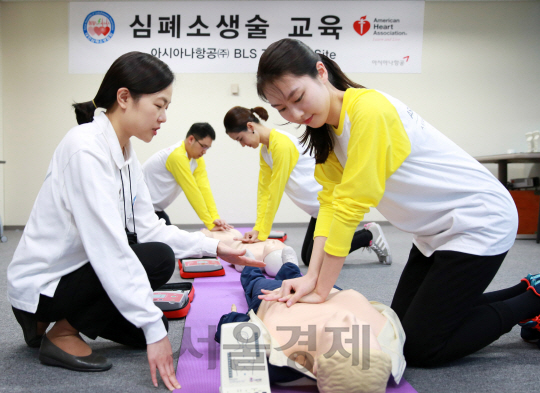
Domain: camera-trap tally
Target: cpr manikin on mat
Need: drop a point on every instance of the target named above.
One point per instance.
(346, 344)
(272, 252)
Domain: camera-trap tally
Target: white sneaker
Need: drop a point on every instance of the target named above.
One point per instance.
(289, 255)
(378, 244)
(248, 254)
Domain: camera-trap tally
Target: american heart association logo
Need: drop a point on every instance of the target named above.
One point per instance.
(362, 26)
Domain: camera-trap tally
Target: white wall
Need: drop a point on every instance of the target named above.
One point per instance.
(479, 85)
(1, 133)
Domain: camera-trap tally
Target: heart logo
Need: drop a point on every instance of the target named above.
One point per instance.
(98, 27)
(362, 26)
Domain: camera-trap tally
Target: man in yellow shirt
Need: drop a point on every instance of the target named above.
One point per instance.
(181, 168)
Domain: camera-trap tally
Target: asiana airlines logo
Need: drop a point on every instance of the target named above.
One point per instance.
(98, 27)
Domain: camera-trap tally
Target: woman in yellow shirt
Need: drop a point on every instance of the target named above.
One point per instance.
(286, 167)
(374, 151)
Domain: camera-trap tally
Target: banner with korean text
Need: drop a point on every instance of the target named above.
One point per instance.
(230, 36)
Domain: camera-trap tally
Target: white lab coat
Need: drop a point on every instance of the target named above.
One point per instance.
(78, 217)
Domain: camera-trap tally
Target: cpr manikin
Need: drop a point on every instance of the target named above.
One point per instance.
(337, 359)
(346, 344)
(273, 252)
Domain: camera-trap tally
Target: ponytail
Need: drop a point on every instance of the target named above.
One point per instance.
(84, 111)
(237, 118)
(293, 57)
(261, 112)
(141, 73)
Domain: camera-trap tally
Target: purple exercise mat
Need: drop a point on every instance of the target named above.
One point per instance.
(198, 364)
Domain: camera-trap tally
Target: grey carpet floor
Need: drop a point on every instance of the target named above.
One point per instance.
(507, 365)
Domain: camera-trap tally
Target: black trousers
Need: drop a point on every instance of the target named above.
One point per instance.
(444, 312)
(360, 239)
(82, 301)
(165, 216)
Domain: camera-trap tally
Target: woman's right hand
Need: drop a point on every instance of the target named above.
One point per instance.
(236, 257)
(293, 290)
(160, 357)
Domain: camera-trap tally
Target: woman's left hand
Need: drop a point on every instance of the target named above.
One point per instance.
(295, 289)
(249, 237)
(312, 297)
(236, 257)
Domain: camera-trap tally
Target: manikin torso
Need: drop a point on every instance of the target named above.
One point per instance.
(260, 249)
(342, 309)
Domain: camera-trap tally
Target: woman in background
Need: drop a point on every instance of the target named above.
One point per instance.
(286, 167)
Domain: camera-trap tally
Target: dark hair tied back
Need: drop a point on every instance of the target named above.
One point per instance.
(84, 111)
(237, 118)
(293, 57)
(141, 73)
(261, 112)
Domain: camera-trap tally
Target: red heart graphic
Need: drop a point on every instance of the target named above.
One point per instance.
(362, 26)
(98, 30)
(106, 30)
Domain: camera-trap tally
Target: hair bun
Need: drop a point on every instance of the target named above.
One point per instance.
(260, 111)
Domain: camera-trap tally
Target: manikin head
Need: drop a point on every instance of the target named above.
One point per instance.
(199, 139)
(337, 374)
(350, 371)
(274, 255)
(241, 125)
(273, 262)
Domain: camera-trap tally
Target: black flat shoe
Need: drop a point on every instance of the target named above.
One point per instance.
(28, 322)
(51, 355)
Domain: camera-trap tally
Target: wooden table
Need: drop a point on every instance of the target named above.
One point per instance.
(502, 160)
